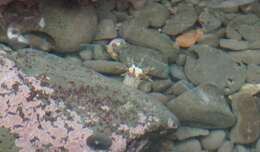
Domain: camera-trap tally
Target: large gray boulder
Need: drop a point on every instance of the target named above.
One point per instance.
(204, 106)
(117, 108)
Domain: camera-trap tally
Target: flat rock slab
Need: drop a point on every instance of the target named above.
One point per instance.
(153, 14)
(115, 107)
(210, 65)
(228, 3)
(204, 106)
(183, 19)
(192, 145)
(247, 57)
(235, 45)
(140, 35)
(244, 105)
(106, 67)
(188, 132)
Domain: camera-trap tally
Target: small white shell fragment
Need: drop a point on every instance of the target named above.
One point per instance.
(42, 23)
(117, 42)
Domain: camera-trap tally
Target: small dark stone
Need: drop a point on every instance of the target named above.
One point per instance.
(99, 141)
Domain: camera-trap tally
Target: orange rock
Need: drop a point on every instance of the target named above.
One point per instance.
(188, 39)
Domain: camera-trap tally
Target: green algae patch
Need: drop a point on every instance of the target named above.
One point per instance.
(7, 141)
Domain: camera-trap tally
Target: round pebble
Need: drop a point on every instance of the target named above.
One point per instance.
(214, 140)
(99, 141)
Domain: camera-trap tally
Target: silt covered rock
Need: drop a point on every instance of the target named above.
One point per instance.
(207, 64)
(69, 24)
(184, 18)
(204, 106)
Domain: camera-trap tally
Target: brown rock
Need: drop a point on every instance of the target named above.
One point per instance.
(244, 104)
(69, 25)
(161, 85)
(106, 30)
(188, 39)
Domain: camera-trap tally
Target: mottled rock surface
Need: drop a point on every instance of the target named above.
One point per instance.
(244, 105)
(117, 108)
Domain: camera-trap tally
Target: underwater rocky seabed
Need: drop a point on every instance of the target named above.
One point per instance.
(85, 94)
